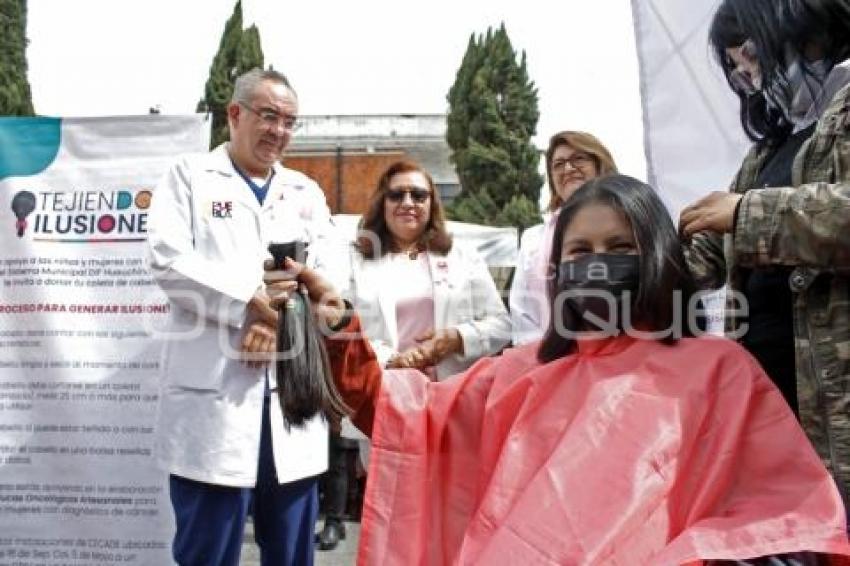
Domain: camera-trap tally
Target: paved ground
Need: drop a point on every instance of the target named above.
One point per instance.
(342, 555)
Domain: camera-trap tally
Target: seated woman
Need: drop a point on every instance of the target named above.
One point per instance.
(572, 159)
(618, 439)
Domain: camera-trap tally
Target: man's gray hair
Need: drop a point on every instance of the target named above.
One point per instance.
(247, 83)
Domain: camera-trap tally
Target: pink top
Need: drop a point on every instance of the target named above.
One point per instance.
(414, 298)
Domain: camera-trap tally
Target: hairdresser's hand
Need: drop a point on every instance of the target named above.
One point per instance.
(716, 213)
(258, 344)
(432, 349)
(280, 284)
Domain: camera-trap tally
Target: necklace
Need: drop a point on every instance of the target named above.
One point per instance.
(412, 252)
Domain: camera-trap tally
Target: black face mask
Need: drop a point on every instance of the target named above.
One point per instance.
(595, 286)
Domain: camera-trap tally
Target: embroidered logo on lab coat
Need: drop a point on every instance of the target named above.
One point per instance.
(222, 209)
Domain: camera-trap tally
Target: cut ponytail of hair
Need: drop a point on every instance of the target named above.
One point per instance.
(305, 385)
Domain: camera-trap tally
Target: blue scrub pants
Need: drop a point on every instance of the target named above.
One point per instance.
(211, 518)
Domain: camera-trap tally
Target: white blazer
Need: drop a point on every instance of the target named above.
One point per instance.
(528, 297)
(207, 239)
(465, 297)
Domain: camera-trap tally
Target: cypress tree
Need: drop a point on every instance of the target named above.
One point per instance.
(250, 52)
(15, 95)
(238, 51)
(492, 117)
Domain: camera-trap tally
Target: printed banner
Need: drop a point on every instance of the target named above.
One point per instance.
(79, 361)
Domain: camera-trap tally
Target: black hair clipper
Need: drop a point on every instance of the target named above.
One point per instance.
(295, 250)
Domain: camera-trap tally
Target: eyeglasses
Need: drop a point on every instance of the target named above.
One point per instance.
(576, 161)
(417, 194)
(272, 119)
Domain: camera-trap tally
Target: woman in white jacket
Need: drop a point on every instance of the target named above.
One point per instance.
(571, 159)
(425, 303)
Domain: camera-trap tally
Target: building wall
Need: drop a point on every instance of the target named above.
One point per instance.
(360, 173)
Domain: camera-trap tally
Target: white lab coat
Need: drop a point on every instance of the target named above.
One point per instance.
(528, 297)
(208, 237)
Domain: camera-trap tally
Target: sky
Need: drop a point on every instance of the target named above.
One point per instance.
(121, 57)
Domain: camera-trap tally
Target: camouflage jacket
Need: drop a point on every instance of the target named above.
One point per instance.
(806, 227)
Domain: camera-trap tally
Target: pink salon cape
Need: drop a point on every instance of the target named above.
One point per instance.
(629, 452)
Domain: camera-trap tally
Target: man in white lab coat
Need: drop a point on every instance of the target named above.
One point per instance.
(223, 443)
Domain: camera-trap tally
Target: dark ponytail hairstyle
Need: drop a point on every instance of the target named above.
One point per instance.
(304, 380)
(305, 384)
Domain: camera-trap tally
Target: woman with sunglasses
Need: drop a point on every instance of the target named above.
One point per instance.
(780, 238)
(571, 159)
(425, 302)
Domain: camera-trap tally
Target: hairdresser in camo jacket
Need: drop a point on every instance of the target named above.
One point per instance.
(781, 236)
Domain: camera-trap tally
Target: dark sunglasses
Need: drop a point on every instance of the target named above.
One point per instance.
(417, 195)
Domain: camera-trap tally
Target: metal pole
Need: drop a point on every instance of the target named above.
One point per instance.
(339, 209)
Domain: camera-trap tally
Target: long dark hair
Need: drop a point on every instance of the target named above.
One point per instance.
(663, 270)
(304, 380)
(782, 30)
(435, 238)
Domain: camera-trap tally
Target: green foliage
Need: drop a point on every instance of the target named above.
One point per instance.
(520, 212)
(238, 52)
(250, 52)
(15, 96)
(492, 117)
(481, 208)
(478, 208)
